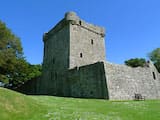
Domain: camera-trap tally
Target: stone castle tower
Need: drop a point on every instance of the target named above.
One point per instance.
(73, 42)
(74, 65)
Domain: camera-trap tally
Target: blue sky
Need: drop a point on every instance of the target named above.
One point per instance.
(132, 26)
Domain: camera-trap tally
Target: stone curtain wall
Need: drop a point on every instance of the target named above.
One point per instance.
(86, 82)
(123, 82)
(29, 87)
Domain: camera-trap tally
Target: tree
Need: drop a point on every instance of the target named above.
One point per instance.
(155, 58)
(136, 62)
(34, 71)
(14, 69)
(10, 53)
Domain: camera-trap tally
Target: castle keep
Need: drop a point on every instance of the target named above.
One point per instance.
(74, 65)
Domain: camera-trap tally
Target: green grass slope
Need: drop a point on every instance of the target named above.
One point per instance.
(16, 106)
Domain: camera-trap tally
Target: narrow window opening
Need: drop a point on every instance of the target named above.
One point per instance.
(92, 41)
(81, 55)
(53, 61)
(154, 76)
(80, 22)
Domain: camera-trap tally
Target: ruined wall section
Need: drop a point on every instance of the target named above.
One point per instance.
(86, 82)
(86, 43)
(123, 82)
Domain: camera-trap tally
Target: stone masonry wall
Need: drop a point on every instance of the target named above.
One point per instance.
(123, 82)
(56, 59)
(86, 43)
(86, 82)
(29, 87)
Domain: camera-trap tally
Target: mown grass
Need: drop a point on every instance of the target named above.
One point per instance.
(16, 106)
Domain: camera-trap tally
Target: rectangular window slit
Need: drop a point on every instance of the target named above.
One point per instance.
(92, 41)
(81, 55)
(80, 22)
(154, 76)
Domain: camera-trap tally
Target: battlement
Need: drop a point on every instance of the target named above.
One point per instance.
(72, 18)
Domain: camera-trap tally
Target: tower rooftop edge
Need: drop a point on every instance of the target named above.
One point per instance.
(72, 18)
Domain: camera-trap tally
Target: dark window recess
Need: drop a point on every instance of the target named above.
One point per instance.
(80, 22)
(53, 61)
(154, 76)
(92, 41)
(81, 55)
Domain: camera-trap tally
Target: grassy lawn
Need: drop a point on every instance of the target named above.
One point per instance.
(16, 106)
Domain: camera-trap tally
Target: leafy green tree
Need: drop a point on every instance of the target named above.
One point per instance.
(10, 53)
(14, 69)
(136, 62)
(155, 58)
(24, 72)
(34, 71)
